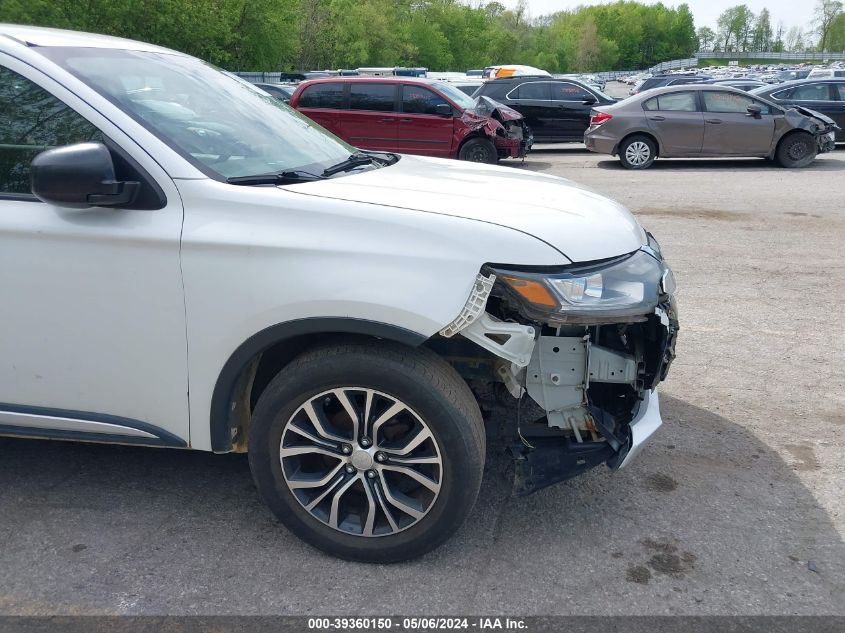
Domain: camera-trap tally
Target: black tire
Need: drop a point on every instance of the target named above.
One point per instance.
(642, 148)
(796, 150)
(427, 385)
(479, 150)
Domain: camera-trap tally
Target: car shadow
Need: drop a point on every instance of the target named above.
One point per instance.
(708, 164)
(708, 519)
(560, 148)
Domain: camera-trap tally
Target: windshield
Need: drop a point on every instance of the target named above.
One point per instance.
(220, 123)
(463, 100)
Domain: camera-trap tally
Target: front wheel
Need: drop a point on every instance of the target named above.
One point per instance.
(369, 452)
(797, 150)
(479, 150)
(637, 152)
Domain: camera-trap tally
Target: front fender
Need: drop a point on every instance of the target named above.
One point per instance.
(257, 257)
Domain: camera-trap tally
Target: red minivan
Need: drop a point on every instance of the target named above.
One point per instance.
(413, 116)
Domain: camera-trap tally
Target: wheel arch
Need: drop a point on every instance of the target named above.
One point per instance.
(786, 135)
(479, 133)
(251, 366)
(640, 132)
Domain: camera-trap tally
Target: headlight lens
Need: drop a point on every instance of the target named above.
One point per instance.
(627, 287)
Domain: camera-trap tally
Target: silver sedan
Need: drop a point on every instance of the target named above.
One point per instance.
(705, 121)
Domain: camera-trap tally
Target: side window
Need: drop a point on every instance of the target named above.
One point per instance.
(33, 121)
(729, 102)
(676, 102)
(783, 94)
(812, 92)
(328, 95)
(420, 100)
(564, 91)
(840, 88)
(538, 90)
(651, 104)
(378, 97)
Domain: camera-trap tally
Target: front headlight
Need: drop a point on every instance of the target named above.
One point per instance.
(630, 286)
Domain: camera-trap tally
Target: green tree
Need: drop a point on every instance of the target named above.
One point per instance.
(438, 34)
(762, 35)
(706, 38)
(827, 12)
(836, 34)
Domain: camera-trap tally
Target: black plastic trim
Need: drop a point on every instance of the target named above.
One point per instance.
(163, 438)
(224, 389)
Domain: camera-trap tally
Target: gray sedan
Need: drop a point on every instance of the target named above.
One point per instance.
(704, 121)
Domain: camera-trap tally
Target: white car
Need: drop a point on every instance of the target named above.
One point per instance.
(826, 73)
(186, 262)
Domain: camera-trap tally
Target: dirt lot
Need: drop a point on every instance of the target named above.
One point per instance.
(736, 508)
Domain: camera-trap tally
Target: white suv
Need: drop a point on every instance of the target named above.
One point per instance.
(186, 262)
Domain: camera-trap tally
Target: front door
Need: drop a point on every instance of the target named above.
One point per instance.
(92, 317)
(533, 101)
(421, 129)
(838, 113)
(827, 98)
(572, 104)
(729, 130)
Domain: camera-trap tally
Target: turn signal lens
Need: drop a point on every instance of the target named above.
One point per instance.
(532, 291)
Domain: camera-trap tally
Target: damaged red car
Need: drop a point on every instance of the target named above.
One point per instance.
(414, 116)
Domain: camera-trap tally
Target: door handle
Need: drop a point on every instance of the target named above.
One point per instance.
(406, 120)
(657, 118)
(386, 120)
(715, 121)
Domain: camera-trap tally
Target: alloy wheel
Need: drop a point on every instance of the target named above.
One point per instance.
(361, 461)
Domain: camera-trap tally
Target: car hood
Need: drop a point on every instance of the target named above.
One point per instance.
(487, 107)
(825, 120)
(579, 223)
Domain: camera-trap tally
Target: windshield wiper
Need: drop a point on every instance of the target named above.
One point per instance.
(279, 178)
(358, 159)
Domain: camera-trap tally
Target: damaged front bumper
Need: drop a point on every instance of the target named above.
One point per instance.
(819, 125)
(826, 142)
(550, 460)
(598, 391)
(593, 376)
(503, 125)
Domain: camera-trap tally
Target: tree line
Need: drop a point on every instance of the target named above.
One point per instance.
(436, 34)
(740, 29)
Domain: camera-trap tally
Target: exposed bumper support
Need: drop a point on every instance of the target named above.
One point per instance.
(644, 425)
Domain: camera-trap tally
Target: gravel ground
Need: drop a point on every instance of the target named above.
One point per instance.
(735, 508)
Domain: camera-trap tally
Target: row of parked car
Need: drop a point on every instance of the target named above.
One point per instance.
(758, 73)
(676, 116)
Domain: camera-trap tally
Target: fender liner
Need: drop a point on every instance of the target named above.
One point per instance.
(221, 419)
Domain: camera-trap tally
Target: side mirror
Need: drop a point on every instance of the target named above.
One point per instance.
(591, 100)
(754, 110)
(443, 109)
(79, 176)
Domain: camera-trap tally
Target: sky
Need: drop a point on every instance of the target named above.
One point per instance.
(792, 12)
